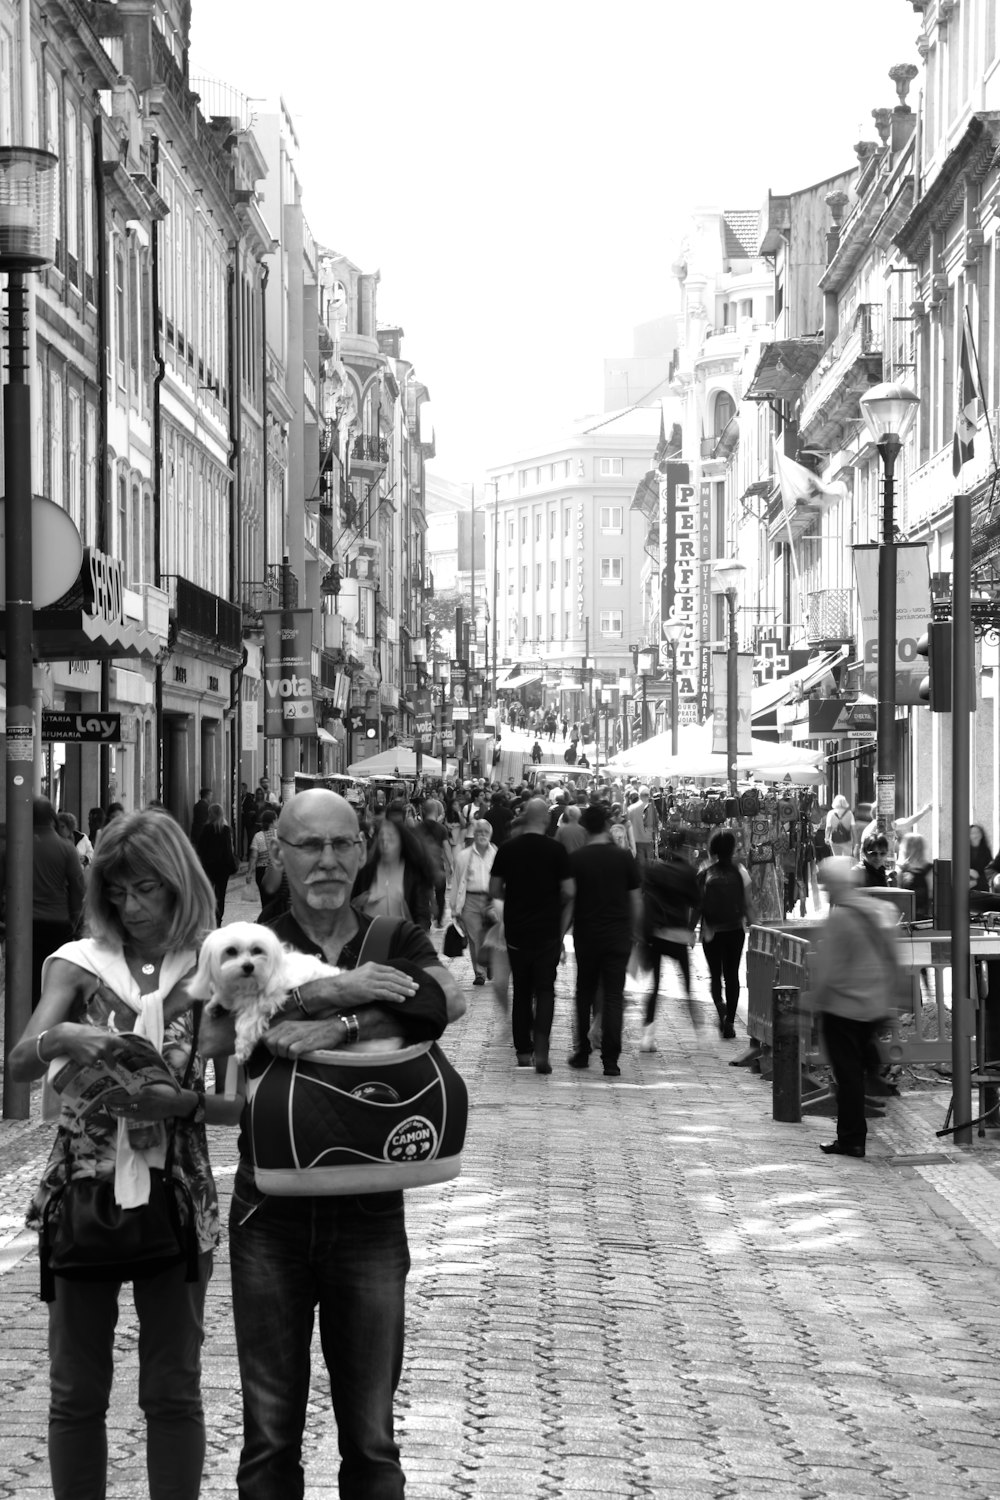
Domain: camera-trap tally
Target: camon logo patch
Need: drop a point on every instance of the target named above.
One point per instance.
(414, 1140)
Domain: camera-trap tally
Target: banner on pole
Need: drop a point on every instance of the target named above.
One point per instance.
(913, 610)
(720, 700)
(288, 701)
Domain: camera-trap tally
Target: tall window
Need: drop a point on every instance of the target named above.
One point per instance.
(135, 317)
(74, 459)
(567, 571)
(510, 532)
(120, 324)
(57, 489)
(52, 144)
(87, 175)
(123, 520)
(611, 570)
(538, 526)
(135, 537)
(524, 528)
(552, 524)
(148, 549)
(524, 579)
(89, 527)
(611, 518)
(552, 575)
(567, 522)
(538, 627)
(724, 412)
(72, 196)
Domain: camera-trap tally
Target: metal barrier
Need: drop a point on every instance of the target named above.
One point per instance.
(774, 958)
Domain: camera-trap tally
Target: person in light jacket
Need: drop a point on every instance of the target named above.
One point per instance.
(853, 986)
(470, 894)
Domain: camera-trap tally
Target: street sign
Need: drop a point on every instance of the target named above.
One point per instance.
(81, 729)
(861, 734)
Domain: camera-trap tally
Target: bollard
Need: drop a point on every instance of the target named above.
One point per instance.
(786, 1044)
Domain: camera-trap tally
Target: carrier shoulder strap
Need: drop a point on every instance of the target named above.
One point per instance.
(378, 940)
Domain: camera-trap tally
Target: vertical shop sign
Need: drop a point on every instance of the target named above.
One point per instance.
(913, 610)
(680, 549)
(288, 700)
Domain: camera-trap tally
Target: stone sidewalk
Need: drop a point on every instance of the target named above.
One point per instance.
(641, 1287)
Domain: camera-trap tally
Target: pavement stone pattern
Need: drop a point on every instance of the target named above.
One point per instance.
(641, 1287)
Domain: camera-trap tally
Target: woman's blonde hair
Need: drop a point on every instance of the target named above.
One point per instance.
(149, 845)
(840, 803)
(913, 846)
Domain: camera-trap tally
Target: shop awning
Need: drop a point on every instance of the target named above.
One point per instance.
(647, 494)
(75, 635)
(525, 679)
(324, 736)
(765, 698)
(783, 369)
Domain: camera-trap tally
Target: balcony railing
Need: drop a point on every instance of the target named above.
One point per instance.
(370, 450)
(197, 612)
(326, 531)
(862, 337)
(831, 616)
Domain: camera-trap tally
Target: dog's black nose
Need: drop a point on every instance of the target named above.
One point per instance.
(247, 966)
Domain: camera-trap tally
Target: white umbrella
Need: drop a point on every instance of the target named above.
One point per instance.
(696, 760)
(398, 762)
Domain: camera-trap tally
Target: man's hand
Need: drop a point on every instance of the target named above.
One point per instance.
(370, 984)
(293, 1038)
(157, 1101)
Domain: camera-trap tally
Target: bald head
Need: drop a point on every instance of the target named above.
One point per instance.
(535, 815)
(316, 811)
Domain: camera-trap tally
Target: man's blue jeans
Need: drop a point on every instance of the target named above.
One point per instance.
(348, 1257)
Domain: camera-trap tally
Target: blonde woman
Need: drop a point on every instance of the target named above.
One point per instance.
(839, 828)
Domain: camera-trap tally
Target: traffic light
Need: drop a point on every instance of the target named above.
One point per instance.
(371, 729)
(935, 688)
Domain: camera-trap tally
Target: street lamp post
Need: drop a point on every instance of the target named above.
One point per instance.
(729, 576)
(647, 664)
(27, 243)
(888, 410)
(673, 634)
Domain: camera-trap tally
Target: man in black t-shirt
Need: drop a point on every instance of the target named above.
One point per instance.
(607, 915)
(531, 874)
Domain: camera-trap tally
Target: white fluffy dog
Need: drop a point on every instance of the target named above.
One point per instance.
(243, 968)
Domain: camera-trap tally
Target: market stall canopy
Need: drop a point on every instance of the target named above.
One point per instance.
(696, 759)
(524, 679)
(398, 762)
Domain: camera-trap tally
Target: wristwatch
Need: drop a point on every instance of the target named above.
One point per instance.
(198, 1117)
(352, 1026)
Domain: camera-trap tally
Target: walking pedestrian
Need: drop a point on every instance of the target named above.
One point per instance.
(670, 899)
(262, 866)
(56, 890)
(437, 846)
(607, 919)
(397, 879)
(531, 876)
(726, 908)
(201, 812)
(853, 974)
(470, 896)
(218, 858)
(345, 1255)
(641, 816)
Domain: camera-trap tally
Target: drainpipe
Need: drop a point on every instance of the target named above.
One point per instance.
(103, 515)
(235, 340)
(158, 374)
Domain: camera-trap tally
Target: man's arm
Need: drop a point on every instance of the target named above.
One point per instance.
(567, 895)
(902, 825)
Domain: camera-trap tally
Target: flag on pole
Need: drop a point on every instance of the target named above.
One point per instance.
(966, 395)
(800, 486)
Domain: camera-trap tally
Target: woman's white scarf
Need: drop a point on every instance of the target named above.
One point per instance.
(109, 965)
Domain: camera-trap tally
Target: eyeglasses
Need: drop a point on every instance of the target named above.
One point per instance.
(313, 848)
(882, 849)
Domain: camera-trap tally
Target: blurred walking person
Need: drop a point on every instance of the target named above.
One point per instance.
(726, 908)
(218, 858)
(670, 898)
(57, 890)
(853, 985)
(531, 875)
(607, 917)
(470, 895)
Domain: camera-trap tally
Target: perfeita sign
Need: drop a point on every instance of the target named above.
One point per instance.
(288, 701)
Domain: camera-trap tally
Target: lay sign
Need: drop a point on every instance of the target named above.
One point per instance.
(288, 701)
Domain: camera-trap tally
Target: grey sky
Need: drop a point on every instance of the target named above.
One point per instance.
(520, 173)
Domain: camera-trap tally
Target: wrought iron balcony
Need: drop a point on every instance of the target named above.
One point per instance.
(203, 616)
(851, 364)
(831, 616)
(370, 450)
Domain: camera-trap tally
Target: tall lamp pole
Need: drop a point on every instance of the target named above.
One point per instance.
(888, 410)
(27, 243)
(647, 665)
(673, 634)
(729, 576)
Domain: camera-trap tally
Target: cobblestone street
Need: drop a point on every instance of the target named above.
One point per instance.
(637, 1287)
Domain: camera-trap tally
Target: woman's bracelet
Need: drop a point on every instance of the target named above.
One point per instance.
(38, 1048)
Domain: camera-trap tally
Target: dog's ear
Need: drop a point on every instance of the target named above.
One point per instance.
(201, 985)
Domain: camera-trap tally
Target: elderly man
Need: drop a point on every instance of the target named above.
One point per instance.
(346, 1255)
(853, 986)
